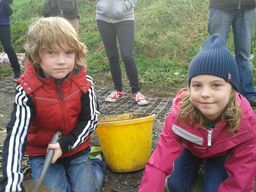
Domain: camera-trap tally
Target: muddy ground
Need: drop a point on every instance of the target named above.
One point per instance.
(114, 182)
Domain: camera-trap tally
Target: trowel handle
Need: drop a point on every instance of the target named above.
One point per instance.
(47, 160)
(49, 154)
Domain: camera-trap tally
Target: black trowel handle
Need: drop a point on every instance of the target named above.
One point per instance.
(47, 160)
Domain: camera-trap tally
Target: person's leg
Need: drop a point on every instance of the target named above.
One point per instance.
(108, 35)
(5, 38)
(242, 30)
(125, 35)
(220, 21)
(55, 178)
(214, 173)
(185, 172)
(75, 23)
(86, 175)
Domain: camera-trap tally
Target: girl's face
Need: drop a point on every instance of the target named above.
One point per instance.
(57, 64)
(210, 94)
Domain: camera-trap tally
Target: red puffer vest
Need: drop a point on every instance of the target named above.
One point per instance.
(57, 107)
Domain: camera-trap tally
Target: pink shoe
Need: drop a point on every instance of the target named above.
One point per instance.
(114, 96)
(139, 98)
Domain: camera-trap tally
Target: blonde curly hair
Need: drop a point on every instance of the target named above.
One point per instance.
(53, 33)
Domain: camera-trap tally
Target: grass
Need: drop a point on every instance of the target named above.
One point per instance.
(168, 35)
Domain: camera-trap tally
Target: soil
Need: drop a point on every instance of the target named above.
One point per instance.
(114, 182)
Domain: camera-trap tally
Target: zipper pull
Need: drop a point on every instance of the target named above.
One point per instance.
(209, 137)
(59, 90)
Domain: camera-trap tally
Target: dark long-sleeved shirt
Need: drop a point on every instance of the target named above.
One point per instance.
(17, 128)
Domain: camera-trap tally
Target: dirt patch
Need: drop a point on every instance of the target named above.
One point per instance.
(114, 182)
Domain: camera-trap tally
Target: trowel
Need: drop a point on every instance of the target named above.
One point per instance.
(36, 186)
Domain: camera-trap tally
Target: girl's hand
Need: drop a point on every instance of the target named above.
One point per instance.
(57, 151)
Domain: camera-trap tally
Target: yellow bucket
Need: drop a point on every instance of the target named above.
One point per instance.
(126, 141)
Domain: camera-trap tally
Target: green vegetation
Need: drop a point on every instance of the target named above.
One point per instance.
(168, 35)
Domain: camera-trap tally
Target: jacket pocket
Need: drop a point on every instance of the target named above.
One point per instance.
(51, 8)
(66, 5)
(247, 4)
(116, 10)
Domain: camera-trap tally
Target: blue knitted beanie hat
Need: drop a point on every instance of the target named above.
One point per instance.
(215, 59)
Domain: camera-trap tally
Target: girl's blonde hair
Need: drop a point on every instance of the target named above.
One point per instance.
(53, 33)
(231, 113)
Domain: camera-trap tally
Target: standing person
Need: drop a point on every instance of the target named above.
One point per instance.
(115, 21)
(211, 122)
(5, 36)
(54, 94)
(63, 8)
(240, 15)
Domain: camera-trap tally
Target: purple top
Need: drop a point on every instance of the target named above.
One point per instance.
(4, 20)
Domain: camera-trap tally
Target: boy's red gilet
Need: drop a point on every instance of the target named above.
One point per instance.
(57, 107)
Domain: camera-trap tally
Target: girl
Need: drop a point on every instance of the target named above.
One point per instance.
(209, 122)
(54, 94)
(115, 21)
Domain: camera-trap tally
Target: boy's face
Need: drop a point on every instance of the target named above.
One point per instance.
(210, 94)
(57, 64)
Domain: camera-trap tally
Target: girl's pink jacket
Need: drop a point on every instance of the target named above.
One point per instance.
(241, 147)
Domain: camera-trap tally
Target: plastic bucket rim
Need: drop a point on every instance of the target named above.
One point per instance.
(149, 117)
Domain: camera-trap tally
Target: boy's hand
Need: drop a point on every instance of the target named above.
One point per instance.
(57, 151)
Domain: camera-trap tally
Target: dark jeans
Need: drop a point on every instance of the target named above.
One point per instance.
(242, 23)
(186, 169)
(5, 38)
(123, 32)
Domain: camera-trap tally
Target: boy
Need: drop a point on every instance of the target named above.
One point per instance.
(54, 94)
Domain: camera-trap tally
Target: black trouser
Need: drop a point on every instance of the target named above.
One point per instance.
(5, 38)
(123, 32)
